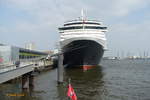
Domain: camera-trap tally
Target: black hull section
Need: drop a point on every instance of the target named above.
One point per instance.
(82, 52)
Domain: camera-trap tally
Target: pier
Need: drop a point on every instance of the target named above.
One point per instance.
(10, 72)
(19, 62)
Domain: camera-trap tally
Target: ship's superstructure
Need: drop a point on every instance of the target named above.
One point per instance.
(82, 41)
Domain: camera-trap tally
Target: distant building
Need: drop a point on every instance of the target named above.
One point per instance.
(30, 46)
(12, 53)
(49, 52)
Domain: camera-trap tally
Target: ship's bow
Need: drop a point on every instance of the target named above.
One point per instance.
(82, 53)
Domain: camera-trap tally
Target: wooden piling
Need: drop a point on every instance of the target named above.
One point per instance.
(25, 81)
(31, 80)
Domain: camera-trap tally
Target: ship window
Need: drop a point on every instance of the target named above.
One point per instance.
(70, 28)
(91, 27)
(82, 23)
(82, 27)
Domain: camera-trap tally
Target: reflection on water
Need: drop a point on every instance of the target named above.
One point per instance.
(89, 84)
(114, 80)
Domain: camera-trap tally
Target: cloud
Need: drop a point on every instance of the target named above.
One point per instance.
(127, 37)
(3, 29)
(125, 7)
(47, 15)
(45, 10)
(110, 9)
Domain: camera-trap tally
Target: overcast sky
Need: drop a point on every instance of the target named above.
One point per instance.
(128, 21)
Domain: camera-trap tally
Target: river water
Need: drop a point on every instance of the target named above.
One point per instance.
(113, 80)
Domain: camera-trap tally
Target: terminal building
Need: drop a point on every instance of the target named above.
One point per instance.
(12, 54)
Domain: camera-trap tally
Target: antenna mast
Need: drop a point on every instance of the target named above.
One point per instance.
(82, 14)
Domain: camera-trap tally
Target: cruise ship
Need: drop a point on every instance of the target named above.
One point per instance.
(82, 42)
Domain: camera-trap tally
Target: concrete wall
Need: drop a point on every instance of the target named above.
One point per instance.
(5, 54)
(14, 53)
(9, 54)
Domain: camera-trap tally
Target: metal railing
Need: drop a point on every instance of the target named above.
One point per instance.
(5, 68)
(25, 62)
